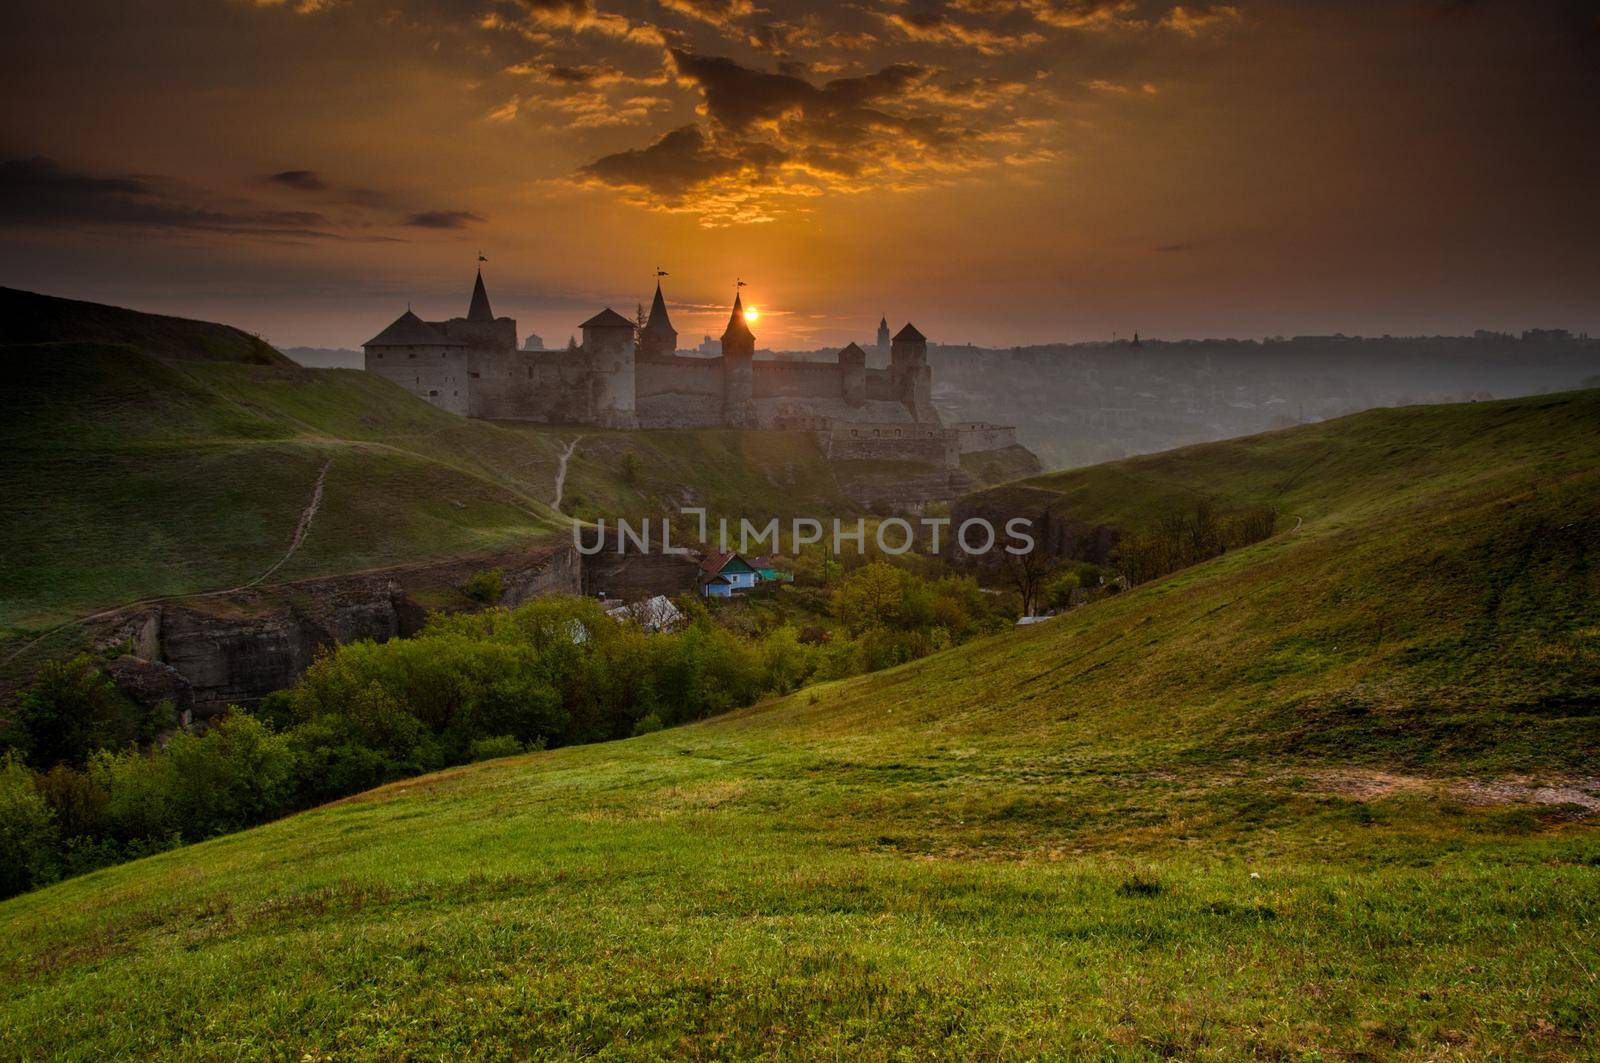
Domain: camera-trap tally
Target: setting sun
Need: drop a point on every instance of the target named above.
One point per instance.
(751, 314)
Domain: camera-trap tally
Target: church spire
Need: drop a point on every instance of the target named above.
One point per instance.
(479, 310)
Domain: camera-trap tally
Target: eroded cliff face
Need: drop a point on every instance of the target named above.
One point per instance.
(206, 653)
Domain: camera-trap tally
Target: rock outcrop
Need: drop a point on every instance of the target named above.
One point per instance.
(206, 653)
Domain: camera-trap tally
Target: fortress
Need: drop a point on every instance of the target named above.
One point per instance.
(627, 376)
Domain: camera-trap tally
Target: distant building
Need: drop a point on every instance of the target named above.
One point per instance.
(534, 342)
(726, 574)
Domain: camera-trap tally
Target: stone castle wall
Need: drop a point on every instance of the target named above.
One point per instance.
(437, 374)
(924, 443)
(679, 392)
(816, 380)
(979, 436)
(551, 387)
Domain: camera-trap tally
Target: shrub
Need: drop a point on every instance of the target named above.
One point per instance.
(236, 774)
(487, 586)
(27, 830)
(73, 708)
(490, 748)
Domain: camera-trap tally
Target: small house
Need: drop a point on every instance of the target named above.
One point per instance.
(725, 574)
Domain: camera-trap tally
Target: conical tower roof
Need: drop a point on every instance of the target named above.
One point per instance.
(479, 310)
(607, 318)
(910, 333)
(409, 330)
(658, 321)
(737, 329)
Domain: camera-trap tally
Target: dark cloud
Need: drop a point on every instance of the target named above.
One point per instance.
(770, 137)
(39, 191)
(444, 219)
(671, 166)
(304, 180)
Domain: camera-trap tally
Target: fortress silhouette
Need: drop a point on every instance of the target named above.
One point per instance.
(625, 376)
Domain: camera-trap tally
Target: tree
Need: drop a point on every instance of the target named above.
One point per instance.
(73, 709)
(869, 597)
(27, 830)
(1028, 573)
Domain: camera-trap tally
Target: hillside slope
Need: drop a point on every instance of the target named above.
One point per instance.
(1328, 796)
(1346, 465)
(129, 476)
(27, 317)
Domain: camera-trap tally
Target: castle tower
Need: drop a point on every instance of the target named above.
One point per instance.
(909, 372)
(479, 310)
(883, 338)
(658, 339)
(738, 380)
(853, 374)
(608, 345)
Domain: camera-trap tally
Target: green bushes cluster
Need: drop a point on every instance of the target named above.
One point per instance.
(84, 782)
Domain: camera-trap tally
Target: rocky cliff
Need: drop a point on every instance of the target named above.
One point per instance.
(206, 653)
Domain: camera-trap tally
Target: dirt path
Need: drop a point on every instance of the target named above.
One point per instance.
(561, 471)
(1365, 783)
(307, 515)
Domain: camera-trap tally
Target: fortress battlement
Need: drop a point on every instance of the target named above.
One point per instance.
(625, 375)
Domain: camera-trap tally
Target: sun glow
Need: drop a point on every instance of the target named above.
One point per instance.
(751, 314)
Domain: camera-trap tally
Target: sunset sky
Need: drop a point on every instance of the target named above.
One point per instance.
(999, 171)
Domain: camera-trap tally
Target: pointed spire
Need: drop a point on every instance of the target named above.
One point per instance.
(479, 310)
(658, 320)
(737, 329)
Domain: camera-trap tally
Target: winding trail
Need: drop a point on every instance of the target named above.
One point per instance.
(561, 471)
(307, 515)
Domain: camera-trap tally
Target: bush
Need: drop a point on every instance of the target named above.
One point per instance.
(487, 586)
(73, 708)
(27, 831)
(498, 746)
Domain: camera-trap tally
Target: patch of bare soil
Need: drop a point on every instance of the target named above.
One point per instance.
(1366, 784)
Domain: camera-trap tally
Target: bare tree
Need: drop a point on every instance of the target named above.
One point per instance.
(1028, 573)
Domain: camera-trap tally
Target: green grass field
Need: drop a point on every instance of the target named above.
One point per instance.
(1328, 797)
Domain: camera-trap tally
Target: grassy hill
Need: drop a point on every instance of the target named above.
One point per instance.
(27, 318)
(1329, 796)
(1344, 466)
(128, 476)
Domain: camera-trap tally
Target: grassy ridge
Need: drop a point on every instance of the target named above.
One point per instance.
(30, 318)
(128, 477)
(1277, 805)
(1346, 466)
